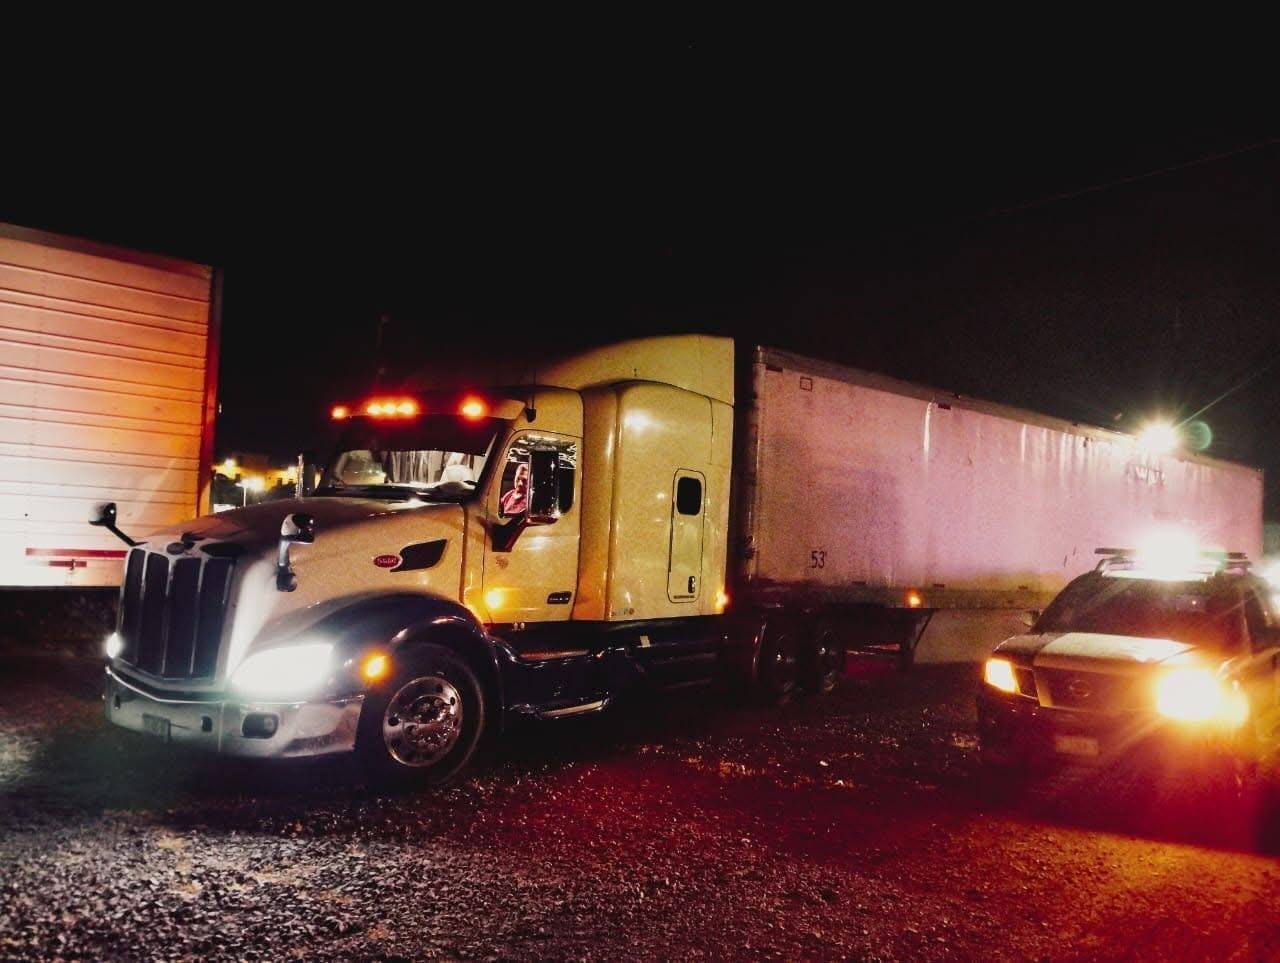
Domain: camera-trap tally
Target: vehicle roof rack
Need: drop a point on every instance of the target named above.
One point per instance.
(1126, 558)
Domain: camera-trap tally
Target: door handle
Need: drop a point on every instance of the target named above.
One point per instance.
(693, 581)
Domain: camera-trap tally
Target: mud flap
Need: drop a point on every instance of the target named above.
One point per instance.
(891, 633)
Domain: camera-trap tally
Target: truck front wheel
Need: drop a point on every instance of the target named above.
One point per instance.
(423, 723)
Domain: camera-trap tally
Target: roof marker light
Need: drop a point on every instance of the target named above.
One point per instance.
(473, 408)
(340, 412)
(1159, 438)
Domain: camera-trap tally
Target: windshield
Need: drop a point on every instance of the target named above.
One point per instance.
(1197, 613)
(435, 457)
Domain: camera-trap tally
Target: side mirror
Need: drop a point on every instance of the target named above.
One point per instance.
(544, 487)
(298, 528)
(104, 516)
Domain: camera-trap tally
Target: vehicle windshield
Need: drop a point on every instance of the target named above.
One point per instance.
(433, 457)
(1197, 612)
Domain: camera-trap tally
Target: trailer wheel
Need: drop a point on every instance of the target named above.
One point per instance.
(422, 725)
(824, 660)
(778, 662)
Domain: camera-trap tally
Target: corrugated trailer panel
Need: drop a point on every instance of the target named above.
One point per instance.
(866, 488)
(105, 395)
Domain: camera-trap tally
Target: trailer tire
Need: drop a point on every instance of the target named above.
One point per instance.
(422, 725)
(824, 660)
(778, 661)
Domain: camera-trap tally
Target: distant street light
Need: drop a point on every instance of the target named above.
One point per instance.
(250, 484)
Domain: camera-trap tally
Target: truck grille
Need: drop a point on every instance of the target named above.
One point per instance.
(1093, 691)
(171, 613)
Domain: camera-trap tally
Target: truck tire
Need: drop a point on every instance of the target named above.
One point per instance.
(778, 661)
(422, 724)
(824, 660)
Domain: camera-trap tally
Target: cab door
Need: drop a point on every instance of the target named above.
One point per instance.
(1263, 676)
(532, 579)
(684, 568)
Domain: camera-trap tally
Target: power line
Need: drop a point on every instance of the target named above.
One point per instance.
(1120, 182)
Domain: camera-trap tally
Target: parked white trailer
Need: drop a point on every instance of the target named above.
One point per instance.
(855, 488)
(108, 374)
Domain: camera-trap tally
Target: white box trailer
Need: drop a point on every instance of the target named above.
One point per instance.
(108, 376)
(857, 489)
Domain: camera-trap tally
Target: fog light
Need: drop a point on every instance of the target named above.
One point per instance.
(115, 645)
(260, 725)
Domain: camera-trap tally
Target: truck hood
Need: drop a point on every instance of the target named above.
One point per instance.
(1071, 649)
(262, 522)
(363, 548)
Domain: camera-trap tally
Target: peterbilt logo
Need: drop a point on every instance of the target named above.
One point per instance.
(1079, 689)
(386, 561)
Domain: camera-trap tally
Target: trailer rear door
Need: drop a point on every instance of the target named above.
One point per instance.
(107, 378)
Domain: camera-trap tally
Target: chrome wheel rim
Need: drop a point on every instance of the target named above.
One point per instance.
(422, 721)
(781, 670)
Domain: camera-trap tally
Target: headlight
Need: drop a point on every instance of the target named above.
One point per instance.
(284, 672)
(999, 674)
(1194, 694)
(115, 645)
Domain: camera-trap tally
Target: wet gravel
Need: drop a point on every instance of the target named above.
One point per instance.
(857, 826)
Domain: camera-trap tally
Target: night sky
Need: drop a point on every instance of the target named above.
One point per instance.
(1098, 266)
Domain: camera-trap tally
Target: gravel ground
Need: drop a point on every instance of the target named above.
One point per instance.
(856, 826)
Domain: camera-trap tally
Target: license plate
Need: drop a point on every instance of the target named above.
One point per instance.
(1076, 745)
(156, 725)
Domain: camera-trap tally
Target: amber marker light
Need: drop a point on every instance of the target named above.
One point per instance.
(339, 412)
(722, 601)
(375, 666)
(998, 674)
(914, 599)
(473, 408)
(407, 408)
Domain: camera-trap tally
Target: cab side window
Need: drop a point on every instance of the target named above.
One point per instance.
(513, 499)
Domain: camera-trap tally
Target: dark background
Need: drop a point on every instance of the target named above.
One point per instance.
(1102, 259)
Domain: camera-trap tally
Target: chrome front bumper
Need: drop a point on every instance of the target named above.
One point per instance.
(299, 728)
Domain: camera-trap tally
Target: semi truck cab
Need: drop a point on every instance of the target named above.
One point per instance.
(532, 549)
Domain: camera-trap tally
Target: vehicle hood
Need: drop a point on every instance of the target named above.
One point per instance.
(1071, 649)
(257, 523)
(363, 548)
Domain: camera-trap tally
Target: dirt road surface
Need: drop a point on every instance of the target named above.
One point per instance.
(856, 826)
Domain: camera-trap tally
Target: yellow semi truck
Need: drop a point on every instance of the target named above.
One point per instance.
(654, 512)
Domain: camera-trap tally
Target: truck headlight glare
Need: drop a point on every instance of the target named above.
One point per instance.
(999, 675)
(115, 645)
(284, 672)
(1193, 694)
